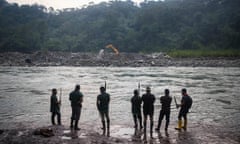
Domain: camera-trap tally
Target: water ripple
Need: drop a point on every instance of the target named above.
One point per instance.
(25, 91)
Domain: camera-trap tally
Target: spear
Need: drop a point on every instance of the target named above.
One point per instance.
(139, 88)
(105, 85)
(60, 98)
(175, 101)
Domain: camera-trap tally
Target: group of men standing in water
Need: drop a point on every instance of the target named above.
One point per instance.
(148, 100)
(76, 99)
(103, 100)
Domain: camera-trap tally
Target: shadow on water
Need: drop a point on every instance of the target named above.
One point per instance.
(137, 137)
(164, 139)
(140, 137)
(123, 132)
(185, 137)
(182, 137)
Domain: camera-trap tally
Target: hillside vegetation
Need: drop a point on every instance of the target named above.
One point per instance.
(170, 25)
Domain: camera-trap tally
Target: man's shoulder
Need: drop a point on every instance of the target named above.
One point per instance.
(72, 92)
(144, 95)
(186, 97)
(132, 98)
(165, 97)
(106, 94)
(80, 93)
(189, 97)
(136, 98)
(101, 95)
(152, 95)
(53, 96)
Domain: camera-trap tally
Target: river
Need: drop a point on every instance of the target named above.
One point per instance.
(25, 93)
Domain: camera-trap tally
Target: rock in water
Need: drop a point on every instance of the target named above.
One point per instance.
(46, 132)
(28, 61)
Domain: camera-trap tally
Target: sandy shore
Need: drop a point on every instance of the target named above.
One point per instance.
(110, 59)
(196, 134)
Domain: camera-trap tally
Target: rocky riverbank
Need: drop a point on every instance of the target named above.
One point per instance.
(110, 59)
(196, 134)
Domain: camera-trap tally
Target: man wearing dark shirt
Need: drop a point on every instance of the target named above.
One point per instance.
(165, 111)
(103, 100)
(148, 109)
(185, 105)
(54, 107)
(76, 98)
(136, 109)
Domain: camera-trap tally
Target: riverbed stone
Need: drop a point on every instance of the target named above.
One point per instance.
(111, 59)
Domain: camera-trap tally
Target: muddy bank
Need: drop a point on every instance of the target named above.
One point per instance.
(196, 134)
(110, 59)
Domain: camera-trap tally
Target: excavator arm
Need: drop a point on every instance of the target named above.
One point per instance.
(113, 48)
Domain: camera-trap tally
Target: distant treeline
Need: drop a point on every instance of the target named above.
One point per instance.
(150, 27)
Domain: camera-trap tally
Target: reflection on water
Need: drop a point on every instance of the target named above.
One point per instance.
(25, 92)
(119, 131)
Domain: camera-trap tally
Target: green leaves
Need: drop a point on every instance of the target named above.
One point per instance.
(152, 26)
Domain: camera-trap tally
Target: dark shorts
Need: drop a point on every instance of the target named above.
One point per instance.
(104, 114)
(76, 112)
(182, 113)
(139, 114)
(148, 112)
(164, 113)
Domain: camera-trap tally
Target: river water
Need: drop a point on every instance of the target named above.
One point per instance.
(25, 93)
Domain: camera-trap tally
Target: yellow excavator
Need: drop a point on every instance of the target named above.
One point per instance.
(113, 48)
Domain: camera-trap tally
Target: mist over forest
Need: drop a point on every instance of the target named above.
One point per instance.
(150, 27)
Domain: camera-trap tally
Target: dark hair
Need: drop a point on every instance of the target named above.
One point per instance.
(184, 90)
(135, 92)
(166, 91)
(148, 89)
(102, 89)
(77, 87)
(54, 91)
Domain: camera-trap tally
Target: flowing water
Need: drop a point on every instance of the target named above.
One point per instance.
(25, 93)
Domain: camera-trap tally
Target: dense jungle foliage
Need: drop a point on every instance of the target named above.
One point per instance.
(152, 26)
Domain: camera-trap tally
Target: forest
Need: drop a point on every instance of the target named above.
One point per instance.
(151, 26)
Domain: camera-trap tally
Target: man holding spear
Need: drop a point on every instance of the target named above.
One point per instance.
(185, 105)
